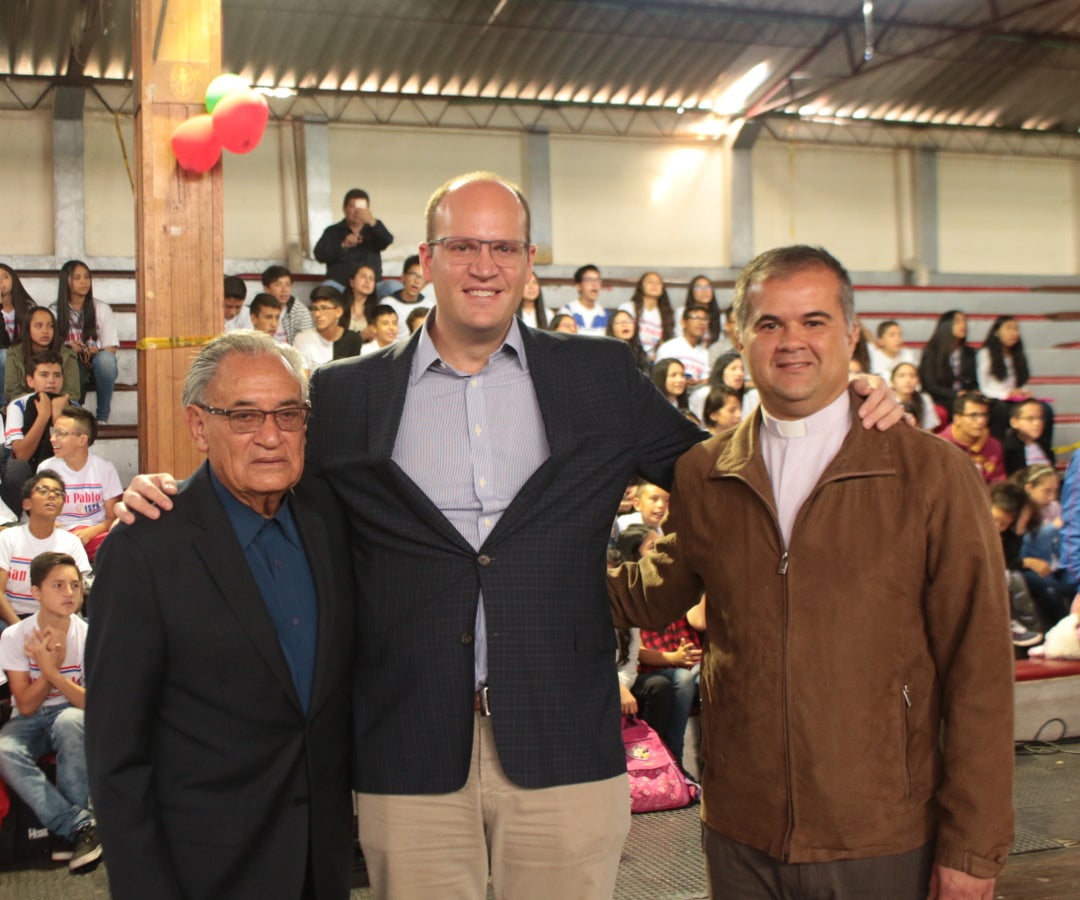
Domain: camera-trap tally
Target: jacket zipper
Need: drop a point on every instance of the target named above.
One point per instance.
(906, 693)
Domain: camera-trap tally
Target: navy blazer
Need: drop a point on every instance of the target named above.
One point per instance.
(551, 646)
(208, 779)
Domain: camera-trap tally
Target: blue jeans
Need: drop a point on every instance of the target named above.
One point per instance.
(685, 682)
(63, 808)
(104, 368)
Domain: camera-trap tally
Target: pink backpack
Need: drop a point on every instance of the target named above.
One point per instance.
(656, 782)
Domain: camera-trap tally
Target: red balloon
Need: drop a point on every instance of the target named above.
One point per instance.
(196, 146)
(240, 120)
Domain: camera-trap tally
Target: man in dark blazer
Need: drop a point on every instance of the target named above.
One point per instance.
(220, 651)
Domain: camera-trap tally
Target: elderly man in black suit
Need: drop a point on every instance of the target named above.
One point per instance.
(481, 464)
(220, 652)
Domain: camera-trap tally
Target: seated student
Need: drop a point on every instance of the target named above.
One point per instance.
(43, 660)
(265, 316)
(563, 322)
(888, 351)
(650, 505)
(235, 295)
(416, 318)
(970, 431)
(722, 410)
(93, 485)
(674, 653)
(277, 282)
(1025, 442)
(648, 696)
(386, 329)
(408, 298)
(689, 348)
(904, 381)
(329, 339)
(1006, 502)
(40, 334)
(1038, 526)
(42, 501)
(27, 423)
(588, 315)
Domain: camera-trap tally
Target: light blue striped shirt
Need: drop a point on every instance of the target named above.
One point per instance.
(470, 442)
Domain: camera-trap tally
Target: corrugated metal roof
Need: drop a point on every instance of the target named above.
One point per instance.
(1010, 63)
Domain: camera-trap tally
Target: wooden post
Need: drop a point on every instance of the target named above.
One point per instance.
(179, 255)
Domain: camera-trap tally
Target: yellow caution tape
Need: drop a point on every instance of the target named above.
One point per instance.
(170, 343)
(1067, 449)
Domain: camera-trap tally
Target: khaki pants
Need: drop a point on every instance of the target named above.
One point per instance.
(542, 843)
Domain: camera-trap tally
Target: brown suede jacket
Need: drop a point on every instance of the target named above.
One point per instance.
(857, 689)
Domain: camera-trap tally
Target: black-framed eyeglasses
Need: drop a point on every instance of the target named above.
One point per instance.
(463, 250)
(248, 421)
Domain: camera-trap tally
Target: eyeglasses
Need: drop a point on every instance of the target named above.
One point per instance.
(60, 433)
(698, 318)
(463, 250)
(325, 307)
(43, 491)
(415, 274)
(248, 421)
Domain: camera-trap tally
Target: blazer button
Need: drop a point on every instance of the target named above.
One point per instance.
(467, 638)
(483, 559)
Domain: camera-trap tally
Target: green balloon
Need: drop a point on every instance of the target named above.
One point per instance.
(222, 85)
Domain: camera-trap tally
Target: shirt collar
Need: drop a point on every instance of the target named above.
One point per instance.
(836, 414)
(247, 523)
(427, 356)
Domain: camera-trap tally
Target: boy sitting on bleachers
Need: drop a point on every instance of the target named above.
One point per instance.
(43, 498)
(43, 659)
(29, 417)
(93, 485)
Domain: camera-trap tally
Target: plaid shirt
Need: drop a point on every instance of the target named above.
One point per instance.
(671, 638)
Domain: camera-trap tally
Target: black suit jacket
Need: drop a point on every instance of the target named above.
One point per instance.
(208, 779)
(542, 569)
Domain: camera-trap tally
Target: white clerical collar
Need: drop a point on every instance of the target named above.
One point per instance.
(836, 414)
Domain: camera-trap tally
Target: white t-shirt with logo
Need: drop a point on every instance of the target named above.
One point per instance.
(13, 656)
(87, 490)
(18, 547)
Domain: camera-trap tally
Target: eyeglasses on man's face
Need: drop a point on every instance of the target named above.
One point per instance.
(248, 421)
(325, 307)
(464, 250)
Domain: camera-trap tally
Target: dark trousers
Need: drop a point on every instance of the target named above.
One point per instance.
(739, 872)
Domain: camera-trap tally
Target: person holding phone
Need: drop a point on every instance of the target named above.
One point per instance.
(357, 240)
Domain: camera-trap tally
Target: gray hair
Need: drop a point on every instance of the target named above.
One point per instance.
(246, 343)
(783, 262)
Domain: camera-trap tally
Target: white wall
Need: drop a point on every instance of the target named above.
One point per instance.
(26, 184)
(841, 198)
(400, 168)
(638, 203)
(110, 201)
(999, 215)
(629, 203)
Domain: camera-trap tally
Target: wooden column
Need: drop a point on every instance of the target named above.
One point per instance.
(179, 256)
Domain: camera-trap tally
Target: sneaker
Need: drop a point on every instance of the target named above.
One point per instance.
(87, 848)
(1021, 637)
(61, 850)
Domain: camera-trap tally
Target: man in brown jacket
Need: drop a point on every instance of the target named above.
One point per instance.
(857, 686)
